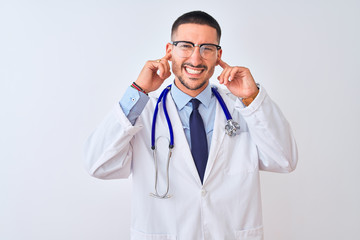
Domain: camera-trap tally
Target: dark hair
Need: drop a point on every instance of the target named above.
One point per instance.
(197, 17)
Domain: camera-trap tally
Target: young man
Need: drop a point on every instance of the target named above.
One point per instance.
(191, 178)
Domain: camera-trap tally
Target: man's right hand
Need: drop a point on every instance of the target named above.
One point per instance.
(149, 79)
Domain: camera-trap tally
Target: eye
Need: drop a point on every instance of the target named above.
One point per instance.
(209, 48)
(185, 46)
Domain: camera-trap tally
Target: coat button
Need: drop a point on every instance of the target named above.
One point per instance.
(203, 192)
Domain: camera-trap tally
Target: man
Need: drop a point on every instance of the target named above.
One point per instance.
(209, 188)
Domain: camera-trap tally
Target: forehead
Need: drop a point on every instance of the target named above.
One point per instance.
(195, 33)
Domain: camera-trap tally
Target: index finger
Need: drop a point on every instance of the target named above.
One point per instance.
(167, 56)
(223, 64)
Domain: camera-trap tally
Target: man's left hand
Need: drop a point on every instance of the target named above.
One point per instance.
(238, 80)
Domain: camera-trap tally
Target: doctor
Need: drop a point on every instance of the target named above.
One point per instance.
(209, 188)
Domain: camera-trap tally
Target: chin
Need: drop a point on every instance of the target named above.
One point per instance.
(192, 84)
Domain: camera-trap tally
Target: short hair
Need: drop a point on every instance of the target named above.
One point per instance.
(197, 17)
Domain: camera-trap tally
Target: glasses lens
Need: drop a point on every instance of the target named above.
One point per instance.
(185, 49)
(208, 51)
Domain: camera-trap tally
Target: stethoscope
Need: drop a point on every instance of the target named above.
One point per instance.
(231, 127)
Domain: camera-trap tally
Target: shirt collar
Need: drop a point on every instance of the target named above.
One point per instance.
(181, 98)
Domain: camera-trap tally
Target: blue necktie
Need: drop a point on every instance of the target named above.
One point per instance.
(199, 147)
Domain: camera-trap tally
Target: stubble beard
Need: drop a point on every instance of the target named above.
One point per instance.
(186, 84)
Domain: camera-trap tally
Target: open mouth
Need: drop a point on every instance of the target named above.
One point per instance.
(193, 71)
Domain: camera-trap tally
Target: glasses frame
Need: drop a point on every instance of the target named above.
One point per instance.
(175, 43)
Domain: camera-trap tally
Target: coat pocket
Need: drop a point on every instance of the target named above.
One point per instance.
(250, 234)
(242, 156)
(136, 235)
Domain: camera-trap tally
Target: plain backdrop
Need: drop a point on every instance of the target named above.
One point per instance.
(64, 64)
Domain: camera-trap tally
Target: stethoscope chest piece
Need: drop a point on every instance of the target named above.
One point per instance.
(231, 127)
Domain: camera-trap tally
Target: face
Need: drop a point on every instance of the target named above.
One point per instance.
(192, 74)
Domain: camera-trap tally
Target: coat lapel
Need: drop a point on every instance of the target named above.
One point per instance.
(218, 133)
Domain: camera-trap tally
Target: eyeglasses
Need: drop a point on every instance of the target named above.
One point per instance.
(185, 49)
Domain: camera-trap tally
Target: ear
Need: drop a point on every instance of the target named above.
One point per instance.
(169, 48)
(218, 57)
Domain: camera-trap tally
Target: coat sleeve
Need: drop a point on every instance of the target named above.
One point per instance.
(271, 133)
(108, 151)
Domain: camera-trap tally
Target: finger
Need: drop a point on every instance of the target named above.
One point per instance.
(167, 57)
(226, 75)
(166, 66)
(166, 61)
(161, 70)
(152, 65)
(167, 74)
(223, 64)
(245, 74)
(233, 73)
(221, 77)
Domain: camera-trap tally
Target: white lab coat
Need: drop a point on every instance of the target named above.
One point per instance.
(228, 204)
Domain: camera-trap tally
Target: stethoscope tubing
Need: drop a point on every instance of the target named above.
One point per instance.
(168, 118)
(222, 103)
(162, 98)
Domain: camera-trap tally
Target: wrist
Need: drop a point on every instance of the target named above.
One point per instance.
(137, 87)
(248, 100)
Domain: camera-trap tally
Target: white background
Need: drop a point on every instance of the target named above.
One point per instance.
(63, 64)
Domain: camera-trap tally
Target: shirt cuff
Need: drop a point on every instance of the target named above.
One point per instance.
(132, 103)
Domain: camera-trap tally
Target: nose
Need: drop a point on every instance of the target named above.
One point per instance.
(195, 58)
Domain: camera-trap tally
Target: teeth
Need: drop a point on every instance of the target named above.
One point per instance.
(192, 71)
